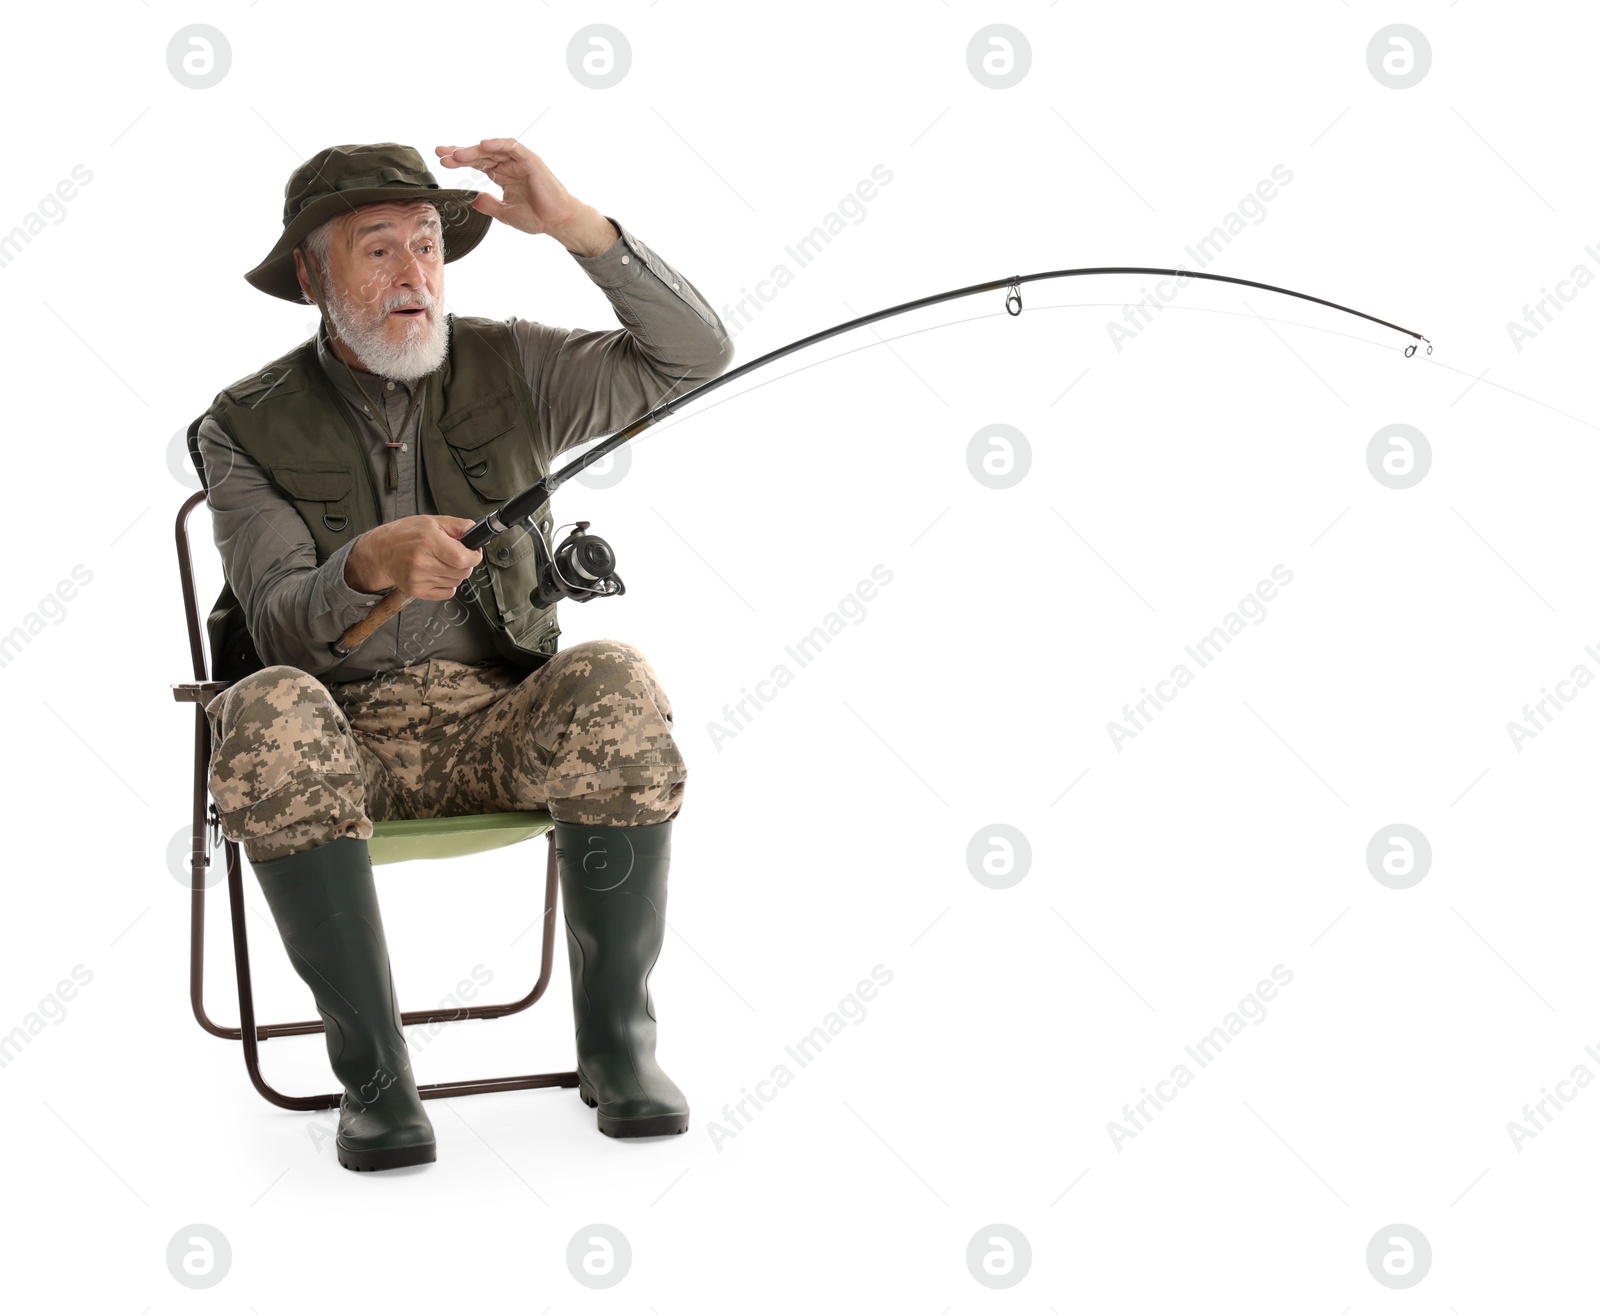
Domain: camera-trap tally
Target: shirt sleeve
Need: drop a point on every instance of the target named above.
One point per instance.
(591, 382)
(293, 607)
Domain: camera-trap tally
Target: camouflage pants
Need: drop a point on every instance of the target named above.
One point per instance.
(296, 763)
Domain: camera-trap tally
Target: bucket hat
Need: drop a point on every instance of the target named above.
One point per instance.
(341, 178)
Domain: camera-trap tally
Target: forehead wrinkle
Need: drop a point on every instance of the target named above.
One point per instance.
(428, 223)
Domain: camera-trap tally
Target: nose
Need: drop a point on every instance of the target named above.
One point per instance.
(408, 272)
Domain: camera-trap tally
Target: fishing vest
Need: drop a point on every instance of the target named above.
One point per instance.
(479, 448)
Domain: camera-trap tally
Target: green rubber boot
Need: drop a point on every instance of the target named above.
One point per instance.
(326, 907)
(614, 892)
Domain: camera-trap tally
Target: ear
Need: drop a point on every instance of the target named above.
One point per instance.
(300, 273)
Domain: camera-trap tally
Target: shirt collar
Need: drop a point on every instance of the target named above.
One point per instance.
(339, 374)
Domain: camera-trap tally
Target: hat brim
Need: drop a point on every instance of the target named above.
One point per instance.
(463, 228)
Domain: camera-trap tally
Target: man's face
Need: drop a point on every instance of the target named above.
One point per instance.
(384, 287)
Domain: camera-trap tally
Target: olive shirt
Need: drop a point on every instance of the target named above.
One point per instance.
(592, 382)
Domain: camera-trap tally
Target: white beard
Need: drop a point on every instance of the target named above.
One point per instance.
(420, 353)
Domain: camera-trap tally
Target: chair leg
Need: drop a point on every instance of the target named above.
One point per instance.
(199, 861)
(249, 1032)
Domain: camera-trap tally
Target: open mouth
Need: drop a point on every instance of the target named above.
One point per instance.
(408, 311)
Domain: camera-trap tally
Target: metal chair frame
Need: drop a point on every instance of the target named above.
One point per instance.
(201, 691)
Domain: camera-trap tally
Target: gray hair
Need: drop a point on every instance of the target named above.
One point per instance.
(316, 250)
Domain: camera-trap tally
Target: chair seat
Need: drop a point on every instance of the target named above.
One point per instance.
(448, 837)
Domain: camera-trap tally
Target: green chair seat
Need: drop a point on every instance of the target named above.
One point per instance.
(448, 837)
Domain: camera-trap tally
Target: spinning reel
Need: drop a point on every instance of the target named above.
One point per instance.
(583, 566)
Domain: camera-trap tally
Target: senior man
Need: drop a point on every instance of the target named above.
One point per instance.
(351, 466)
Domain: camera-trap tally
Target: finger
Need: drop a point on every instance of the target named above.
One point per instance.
(486, 204)
(456, 157)
(469, 157)
(492, 151)
(507, 146)
(456, 557)
(437, 587)
(513, 158)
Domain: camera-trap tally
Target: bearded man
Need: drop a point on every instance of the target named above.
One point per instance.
(350, 467)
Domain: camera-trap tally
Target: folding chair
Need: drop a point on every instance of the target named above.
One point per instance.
(392, 842)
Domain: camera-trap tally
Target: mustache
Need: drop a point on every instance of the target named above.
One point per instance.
(406, 300)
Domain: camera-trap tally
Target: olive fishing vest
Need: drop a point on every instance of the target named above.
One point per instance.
(478, 447)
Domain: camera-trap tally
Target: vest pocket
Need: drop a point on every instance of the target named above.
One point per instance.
(320, 491)
(482, 440)
(513, 562)
(512, 565)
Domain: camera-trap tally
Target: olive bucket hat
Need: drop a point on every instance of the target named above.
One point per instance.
(341, 178)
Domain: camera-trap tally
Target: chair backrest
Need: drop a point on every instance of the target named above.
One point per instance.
(191, 605)
(233, 651)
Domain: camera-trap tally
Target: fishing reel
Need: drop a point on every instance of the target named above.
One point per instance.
(582, 567)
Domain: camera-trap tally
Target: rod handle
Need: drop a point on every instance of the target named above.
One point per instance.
(359, 633)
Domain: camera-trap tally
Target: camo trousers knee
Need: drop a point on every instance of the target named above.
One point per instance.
(296, 763)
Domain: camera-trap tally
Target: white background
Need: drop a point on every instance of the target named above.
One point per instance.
(1167, 878)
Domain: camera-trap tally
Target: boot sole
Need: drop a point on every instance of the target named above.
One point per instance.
(655, 1125)
(388, 1157)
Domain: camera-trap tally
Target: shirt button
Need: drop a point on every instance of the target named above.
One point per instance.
(625, 260)
(674, 287)
(390, 386)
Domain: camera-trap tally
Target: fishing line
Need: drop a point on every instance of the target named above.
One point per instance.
(990, 315)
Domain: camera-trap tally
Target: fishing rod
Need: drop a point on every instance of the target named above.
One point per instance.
(584, 565)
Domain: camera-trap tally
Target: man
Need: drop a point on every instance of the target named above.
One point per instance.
(351, 466)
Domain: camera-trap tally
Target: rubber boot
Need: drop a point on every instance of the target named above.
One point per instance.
(326, 907)
(614, 894)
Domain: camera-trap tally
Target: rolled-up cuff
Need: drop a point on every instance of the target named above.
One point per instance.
(333, 597)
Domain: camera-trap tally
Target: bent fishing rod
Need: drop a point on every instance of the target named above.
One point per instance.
(584, 565)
